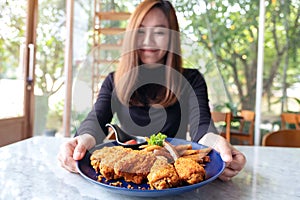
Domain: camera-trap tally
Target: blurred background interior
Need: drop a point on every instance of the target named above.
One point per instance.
(54, 55)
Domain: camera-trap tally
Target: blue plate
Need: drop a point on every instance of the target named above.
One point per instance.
(213, 169)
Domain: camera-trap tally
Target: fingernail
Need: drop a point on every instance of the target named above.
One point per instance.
(226, 158)
(76, 154)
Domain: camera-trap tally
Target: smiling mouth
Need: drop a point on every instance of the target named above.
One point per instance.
(149, 50)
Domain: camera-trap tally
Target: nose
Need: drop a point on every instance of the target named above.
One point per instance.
(148, 39)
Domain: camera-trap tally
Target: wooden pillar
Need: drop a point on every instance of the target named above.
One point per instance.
(68, 66)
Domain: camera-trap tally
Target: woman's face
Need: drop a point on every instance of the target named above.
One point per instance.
(153, 37)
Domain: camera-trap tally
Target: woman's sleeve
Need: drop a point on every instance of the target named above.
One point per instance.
(200, 116)
(101, 114)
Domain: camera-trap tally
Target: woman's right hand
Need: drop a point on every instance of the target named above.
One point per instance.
(73, 150)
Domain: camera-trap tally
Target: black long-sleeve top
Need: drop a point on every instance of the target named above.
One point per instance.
(190, 113)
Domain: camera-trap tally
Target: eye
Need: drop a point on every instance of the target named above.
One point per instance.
(160, 31)
(141, 31)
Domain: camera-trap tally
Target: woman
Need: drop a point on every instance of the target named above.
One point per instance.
(151, 92)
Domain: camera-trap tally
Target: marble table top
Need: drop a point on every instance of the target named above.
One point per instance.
(29, 170)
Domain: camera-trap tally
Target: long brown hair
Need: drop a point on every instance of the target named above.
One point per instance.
(130, 60)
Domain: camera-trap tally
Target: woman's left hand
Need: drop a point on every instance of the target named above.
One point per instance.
(234, 159)
(233, 165)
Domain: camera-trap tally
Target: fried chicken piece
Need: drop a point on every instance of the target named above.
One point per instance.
(189, 171)
(162, 175)
(134, 166)
(99, 154)
(103, 160)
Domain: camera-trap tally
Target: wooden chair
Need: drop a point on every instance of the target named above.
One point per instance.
(282, 138)
(246, 129)
(225, 120)
(290, 119)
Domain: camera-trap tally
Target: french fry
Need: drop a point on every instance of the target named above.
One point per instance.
(189, 152)
(200, 157)
(206, 159)
(152, 148)
(206, 150)
(194, 151)
(183, 147)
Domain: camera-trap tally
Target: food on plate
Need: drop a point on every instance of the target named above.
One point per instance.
(150, 147)
(103, 160)
(163, 174)
(171, 149)
(131, 142)
(134, 166)
(159, 163)
(182, 148)
(189, 170)
(199, 158)
(99, 154)
(116, 162)
(157, 139)
(165, 153)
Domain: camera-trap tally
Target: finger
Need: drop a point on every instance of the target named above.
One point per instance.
(67, 149)
(238, 163)
(226, 155)
(65, 155)
(220, 144)
(79, 150)
(224, 178)
(225, 150)
(228, 174)
(68, 163)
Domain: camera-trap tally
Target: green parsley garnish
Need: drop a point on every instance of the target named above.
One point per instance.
(157, 139)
